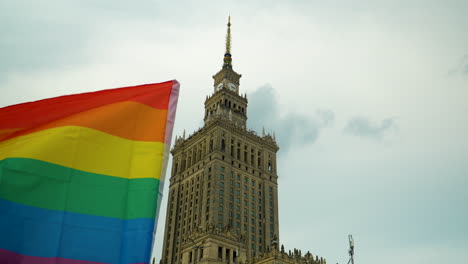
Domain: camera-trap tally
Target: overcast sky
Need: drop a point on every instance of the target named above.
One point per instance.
(368, 100)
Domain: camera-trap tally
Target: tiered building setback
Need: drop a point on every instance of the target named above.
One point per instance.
(223, 194)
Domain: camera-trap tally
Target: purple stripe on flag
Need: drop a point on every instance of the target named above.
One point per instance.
(10, 257)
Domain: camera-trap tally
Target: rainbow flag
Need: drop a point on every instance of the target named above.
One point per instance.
(81, 175)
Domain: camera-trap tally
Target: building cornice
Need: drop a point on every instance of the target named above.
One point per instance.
(266, 141)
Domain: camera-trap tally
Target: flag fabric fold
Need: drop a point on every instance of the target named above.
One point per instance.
(81, 175)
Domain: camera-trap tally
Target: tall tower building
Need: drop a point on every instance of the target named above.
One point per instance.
(223, 194)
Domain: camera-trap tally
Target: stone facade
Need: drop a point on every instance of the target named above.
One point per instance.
(223, 193)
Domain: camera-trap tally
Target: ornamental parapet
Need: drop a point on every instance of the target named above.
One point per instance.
(268, 140)
(272, 255)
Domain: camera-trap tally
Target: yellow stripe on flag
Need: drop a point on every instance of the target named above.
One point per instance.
(88, 150)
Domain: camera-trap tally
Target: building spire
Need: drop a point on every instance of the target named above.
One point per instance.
(228, 37)
(227, 54)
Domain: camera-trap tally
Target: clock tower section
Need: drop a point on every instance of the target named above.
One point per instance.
(226, 102)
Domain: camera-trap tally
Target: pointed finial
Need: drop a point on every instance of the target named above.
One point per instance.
(227, 54)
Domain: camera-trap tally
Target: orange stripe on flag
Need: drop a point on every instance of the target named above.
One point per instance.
(129, 120)
(4, 133)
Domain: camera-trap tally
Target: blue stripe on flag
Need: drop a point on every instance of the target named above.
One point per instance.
(47, 233)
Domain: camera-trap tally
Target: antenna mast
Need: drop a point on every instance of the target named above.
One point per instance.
(351, 249)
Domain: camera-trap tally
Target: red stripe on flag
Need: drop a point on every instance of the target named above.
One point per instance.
(31, 114)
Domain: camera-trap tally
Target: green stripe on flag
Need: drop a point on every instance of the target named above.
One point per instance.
(49, 186)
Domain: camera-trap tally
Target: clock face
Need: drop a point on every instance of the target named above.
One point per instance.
(219, 87)
(232, 87)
